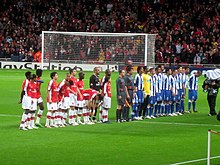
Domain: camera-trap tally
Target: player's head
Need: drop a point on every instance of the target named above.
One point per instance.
(33, 77)
(152, 71)
(187, 70)
(107, 72)
(140, 69)
(198, 73)
(129, 69)
(96, 71)
(175, 72)
(81, 75)
(180, 68)
(122, 73)
(158, 69)
(70, 82)
(39, 72)
(27, 75)
(72, 71)
(54, 75)
(168, 71)
(67, 77)
(107, 79)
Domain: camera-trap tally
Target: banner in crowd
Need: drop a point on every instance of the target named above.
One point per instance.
(54, 66)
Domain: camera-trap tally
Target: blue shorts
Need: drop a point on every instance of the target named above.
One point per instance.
(173, 98)
(167, 95)
(140, 95)
(152, 100)
(180, 94)
(135, 107)
(192, 95)
(159, 96)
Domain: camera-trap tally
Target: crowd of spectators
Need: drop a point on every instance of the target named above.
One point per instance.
(187, 31)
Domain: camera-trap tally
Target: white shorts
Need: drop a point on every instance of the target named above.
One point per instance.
(106, 102)
(33, 106)
(26, 102)
(52, 106)
(59, 105)
(65, 103)
(73, 100)
(80, 104)
(39, 100)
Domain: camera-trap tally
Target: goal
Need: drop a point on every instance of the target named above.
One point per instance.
(98, 48)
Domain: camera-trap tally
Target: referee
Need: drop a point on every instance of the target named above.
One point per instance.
(96, 85)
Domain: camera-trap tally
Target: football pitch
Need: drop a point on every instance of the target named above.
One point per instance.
(160, 141)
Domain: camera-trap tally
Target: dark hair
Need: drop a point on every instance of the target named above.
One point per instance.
(81, 73)
(108, 72)
(71, 82)
(53, 74)
(72, 69)
(33, 76)
(27, 74)
(120, 71)
(139, 68)
(39, 72)
(129, 68)
(167, 69)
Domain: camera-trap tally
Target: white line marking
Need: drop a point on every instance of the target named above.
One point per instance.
(143, 122)
(196, 160)
(173, 123)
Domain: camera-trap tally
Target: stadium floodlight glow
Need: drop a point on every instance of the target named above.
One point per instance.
(96, 48)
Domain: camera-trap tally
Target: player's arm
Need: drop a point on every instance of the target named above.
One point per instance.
(118, 89)
(126, 88)
(135, 82)
(21, 96)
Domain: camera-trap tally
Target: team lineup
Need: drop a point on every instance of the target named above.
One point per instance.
(151, 93)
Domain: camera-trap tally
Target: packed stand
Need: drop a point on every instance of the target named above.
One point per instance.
(188, 32)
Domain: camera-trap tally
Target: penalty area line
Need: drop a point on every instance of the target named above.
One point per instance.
(196, 160)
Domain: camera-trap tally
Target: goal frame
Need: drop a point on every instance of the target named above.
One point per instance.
(100, 34)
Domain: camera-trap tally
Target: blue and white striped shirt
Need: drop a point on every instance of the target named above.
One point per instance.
(138, 81)
(173, 84)
(153, 85)
(166, 82)
(193, 82)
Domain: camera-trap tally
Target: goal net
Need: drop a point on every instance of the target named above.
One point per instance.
(98, 48)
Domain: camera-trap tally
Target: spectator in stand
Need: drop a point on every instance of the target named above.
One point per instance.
(197, 59)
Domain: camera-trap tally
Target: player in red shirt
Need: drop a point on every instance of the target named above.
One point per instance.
(73, 97)
(107, 98)
(64, 102)
(80, 100)
(90, 98)
(32, 94)
(52, 100)
(39, 98)
(24, 100)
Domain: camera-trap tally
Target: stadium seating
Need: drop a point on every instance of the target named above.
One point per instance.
(184, 28)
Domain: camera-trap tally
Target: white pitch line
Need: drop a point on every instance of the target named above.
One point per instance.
(143, 122)
(196, 160)
(184, 124)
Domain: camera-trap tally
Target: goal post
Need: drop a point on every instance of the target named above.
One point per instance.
(98, 48)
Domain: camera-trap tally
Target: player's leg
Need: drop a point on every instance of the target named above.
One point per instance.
(40, 111)
(24, 119)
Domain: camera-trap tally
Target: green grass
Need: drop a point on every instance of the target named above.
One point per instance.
(159, 141)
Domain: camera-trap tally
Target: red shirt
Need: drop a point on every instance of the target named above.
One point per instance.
(89, 94)
(74, 87)
(38, 88)
(65, 90)
(107, 89)
(53, 91)
(80, 85)
(32, 90)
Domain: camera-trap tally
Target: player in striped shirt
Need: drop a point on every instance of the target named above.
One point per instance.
(167, 91)
(138, 83)
(179, 83)
(159, 82)
(193, 90)
(174, 91)
(152, 98)
(185, 78)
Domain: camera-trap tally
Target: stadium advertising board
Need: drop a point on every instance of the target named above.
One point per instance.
(51, 66)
